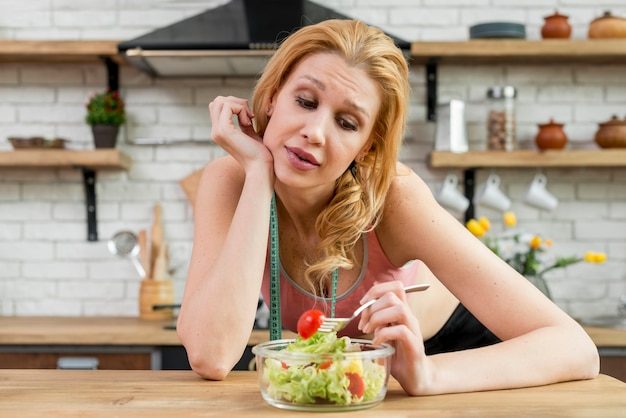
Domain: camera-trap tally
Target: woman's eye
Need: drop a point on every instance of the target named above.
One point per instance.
(347, 125)
(307, 104)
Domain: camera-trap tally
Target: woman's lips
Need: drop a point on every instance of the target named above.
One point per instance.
(301, 159)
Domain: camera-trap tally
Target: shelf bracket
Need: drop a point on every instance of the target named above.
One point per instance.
(89, 180)
(431, 90)
(469, 181)
(113, 74)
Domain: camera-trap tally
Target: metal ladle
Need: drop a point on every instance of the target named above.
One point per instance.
(124, 244)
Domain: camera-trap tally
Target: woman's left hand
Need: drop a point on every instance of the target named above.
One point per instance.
(391, 320)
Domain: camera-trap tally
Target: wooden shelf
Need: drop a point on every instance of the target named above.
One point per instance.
(58, 51)
(529, 158)
(86, 161)
(92, 159)
(517, 51)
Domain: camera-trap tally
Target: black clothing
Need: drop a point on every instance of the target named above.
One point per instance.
(461, 331)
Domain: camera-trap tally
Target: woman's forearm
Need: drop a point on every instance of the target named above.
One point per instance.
(544, 356)
(219, 307)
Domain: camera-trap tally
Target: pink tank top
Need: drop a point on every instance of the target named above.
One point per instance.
(294, 300)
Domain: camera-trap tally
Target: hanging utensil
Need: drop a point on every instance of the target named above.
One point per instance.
(156, 237)
(124, 244)
(144, 250)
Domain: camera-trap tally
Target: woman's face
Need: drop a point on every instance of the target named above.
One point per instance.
(320, 121)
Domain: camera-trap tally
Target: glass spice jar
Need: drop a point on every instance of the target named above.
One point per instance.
(501, 120)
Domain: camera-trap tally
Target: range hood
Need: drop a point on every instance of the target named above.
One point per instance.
(235, 39)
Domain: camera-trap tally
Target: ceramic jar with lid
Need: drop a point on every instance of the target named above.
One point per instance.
(501, 127)
(556, 26)
(551, 136)
(607, 26)
(612, 134)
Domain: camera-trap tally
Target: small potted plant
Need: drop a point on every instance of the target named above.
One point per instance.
(105, 114)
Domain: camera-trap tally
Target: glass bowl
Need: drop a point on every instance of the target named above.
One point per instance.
(323, 382)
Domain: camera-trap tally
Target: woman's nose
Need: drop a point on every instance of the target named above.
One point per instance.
(316, 128)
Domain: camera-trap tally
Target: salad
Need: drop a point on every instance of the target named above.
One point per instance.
(323, 368)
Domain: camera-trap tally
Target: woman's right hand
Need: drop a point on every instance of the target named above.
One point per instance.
(242, 142)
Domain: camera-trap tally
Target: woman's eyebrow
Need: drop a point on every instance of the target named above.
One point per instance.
(322, 86)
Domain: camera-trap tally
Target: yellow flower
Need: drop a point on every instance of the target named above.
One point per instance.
(548, 242)
(510, 219)
(475, 228)
(591, 257)
(535, 242)
(484, 222)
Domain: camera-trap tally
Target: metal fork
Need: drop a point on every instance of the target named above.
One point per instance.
(337, 324)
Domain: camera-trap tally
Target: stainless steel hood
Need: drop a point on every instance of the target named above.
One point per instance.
(235, 39)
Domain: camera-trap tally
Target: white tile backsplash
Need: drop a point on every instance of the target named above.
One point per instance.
(48, 268)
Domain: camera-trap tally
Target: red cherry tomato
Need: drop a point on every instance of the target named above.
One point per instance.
(325, 365)
(356, 386)
(309, 323)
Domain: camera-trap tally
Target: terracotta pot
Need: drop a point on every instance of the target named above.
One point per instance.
(607, 26)
(612, 134)
(551, 136)
(556, 26)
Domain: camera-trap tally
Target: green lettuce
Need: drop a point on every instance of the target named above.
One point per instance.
(323, 379)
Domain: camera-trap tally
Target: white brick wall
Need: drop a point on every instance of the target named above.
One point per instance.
(48, 268)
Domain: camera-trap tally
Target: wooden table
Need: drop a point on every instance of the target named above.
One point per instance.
(109, 393)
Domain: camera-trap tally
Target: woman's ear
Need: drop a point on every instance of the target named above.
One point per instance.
(270, 107)
(361, 155)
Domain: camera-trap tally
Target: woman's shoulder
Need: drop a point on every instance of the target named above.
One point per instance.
(223, 170)
(223, 176)
(406, 183)
(409, 205)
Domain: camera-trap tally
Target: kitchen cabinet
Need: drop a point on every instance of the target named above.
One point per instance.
(86, 161)
(47, 357)
(117, 342)
(613, 362)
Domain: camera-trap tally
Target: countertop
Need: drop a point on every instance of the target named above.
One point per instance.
(123, 331)
(134, 331)
(170, 393)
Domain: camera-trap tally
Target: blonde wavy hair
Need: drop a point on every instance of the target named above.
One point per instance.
(357, 204)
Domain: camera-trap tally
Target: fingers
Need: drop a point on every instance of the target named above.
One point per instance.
(234, 105)
(222, 110)
(395, 286)
(391, 306)
(390, 312)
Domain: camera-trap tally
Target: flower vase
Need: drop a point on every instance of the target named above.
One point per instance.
(105, 136)
(540, 283)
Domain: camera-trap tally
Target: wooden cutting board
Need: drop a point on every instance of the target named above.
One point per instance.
(190, 185)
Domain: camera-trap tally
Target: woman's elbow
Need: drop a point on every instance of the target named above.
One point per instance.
(592, 362)
(210, 370)
(210, 363)
(588, 358)
(209, 366)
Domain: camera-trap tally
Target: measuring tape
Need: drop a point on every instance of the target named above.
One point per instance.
(276, 327)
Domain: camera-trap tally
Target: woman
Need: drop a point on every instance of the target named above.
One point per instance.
(317, 154)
